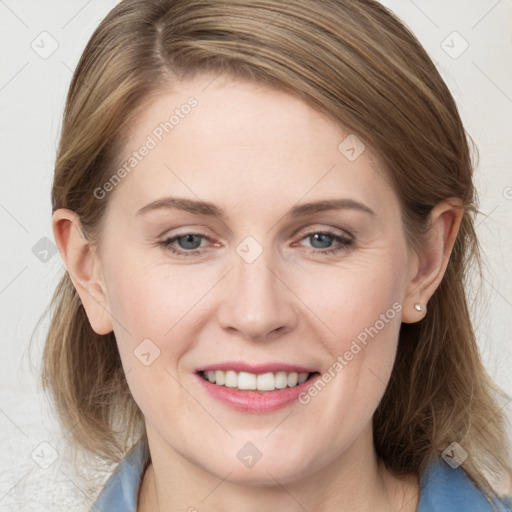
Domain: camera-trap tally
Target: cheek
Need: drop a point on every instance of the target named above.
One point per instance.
(150, 300)
(349, 300)
(359, 306)
(149, 304)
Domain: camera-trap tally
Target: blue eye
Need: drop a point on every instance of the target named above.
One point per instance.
(190, 241)
(188, 244)
(322, 242)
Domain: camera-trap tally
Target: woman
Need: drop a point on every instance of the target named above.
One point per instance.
(266, 214)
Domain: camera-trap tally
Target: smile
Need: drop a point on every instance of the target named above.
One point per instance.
(255, 388)
(269, 381)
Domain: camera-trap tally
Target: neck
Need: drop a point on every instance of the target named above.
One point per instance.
(355, 482)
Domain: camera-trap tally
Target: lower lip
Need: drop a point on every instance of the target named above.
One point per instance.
(256, 401)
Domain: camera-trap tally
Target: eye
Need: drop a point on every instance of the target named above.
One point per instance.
(322, 242)
(187, 244)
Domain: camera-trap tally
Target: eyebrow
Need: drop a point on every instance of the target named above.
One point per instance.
(206, 208)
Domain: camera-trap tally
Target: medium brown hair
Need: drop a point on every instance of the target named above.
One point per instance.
(357, 63)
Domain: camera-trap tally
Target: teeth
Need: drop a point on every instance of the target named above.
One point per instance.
(302, 377)
(246, 380)
(249, 381)
(281, 380)
(231, 379)
(266, 382)
(293, 379)
(219, 378)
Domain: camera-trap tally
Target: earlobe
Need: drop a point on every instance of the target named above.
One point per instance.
(430, 266)
(83, 266)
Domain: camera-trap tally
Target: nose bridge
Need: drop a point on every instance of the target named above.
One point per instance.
(259, 303)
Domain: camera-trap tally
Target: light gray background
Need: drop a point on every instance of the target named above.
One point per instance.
(32, 95)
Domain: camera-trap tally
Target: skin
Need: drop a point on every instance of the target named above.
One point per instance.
(255, 152)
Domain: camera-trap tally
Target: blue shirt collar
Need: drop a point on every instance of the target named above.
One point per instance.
(442, 489)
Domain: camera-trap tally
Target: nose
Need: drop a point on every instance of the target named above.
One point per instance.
(259, 303)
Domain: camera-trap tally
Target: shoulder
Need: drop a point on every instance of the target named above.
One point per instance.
(444, 489)
(120, 493)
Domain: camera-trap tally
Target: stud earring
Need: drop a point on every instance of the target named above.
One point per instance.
(418, 307)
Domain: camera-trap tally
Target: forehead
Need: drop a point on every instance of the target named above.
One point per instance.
(222, 139)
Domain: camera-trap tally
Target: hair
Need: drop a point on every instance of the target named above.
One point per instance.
(351, 60)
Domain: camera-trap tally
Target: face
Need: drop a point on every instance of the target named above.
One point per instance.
(296, 268)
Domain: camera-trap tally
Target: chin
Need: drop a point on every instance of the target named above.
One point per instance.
(253, 468)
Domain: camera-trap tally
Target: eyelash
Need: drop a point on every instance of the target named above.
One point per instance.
(344, 242)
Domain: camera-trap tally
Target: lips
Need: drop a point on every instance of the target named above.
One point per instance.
(256, 388)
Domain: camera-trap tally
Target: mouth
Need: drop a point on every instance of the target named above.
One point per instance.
(255, 389)
(245, 381)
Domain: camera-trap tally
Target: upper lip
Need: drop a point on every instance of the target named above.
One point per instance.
(241, 366)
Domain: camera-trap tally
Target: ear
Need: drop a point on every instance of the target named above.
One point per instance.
(429, 267)
(83, 266)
